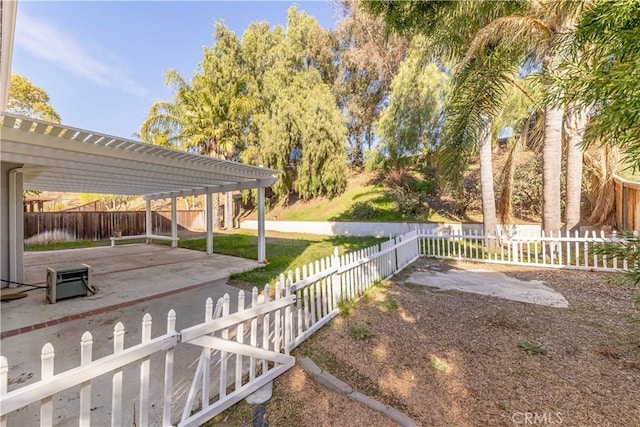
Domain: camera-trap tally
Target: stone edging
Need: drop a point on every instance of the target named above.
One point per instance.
(328, 380)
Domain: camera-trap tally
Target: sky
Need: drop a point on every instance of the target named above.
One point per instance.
(103, 62)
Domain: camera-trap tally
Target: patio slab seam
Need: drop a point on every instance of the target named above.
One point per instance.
(101, 310)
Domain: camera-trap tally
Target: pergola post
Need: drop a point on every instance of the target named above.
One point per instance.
(16, 228)
(209, 215)
(262, 249)
(148, 221)
(174, 223)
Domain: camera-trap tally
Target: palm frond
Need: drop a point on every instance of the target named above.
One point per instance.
(602, 165)
(477, 94)
(506, 177)
(508, 31)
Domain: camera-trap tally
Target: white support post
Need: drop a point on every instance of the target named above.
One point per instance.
(209, 215)
(148, 222)
(262, 255)
(16, 227)
(174, 223)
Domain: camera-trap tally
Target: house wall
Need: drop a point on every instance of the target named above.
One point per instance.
(7, 246)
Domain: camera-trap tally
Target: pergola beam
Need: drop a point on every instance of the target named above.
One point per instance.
(45, 154)
(260, 183)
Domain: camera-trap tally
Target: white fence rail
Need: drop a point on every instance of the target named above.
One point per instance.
(50, 384)
(241, 351)
(550, 251)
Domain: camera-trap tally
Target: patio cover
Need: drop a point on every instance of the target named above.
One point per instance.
(38, 155)
(67, 159)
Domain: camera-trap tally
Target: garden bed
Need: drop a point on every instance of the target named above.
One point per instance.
(452, 358)
(460, 359)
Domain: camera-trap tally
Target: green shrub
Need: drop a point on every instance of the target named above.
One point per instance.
(363, 210)
(426, 187)
(345, 306)
(359, 332)
(532, 348)
(389, 304)
(374, 160)
(408, 203)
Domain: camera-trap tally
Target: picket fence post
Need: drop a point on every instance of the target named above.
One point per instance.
(86, 355)
(116, 395)
(144, 373)
(168, 372)
(206, 355)
(46, 404)
(239, 339)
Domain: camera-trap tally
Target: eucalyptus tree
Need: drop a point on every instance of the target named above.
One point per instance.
(368, 61)
(411, 122)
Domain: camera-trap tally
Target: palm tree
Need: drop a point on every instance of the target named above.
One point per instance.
(206, 116)
(522, 34)
(201, 117)
(575, 124)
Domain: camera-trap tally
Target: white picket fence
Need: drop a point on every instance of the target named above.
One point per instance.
(550, 251)
(241, 351)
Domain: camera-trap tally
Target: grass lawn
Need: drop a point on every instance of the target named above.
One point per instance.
(285, 251)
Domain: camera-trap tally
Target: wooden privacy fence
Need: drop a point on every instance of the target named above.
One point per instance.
(627, 207)
(552, 251)
(43, 227)
(241, 351)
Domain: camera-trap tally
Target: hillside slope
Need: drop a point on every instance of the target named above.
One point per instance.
(365, 199)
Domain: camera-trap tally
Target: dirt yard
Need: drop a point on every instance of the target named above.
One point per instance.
(448, 358)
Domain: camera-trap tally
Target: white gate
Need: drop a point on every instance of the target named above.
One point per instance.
(243, 367)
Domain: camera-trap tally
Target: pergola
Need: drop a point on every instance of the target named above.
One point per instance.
(37, 155)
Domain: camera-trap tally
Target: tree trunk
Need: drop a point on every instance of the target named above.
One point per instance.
(551, 170)
(574, 126)
(216, 211)
(486, 178)
(228, 210)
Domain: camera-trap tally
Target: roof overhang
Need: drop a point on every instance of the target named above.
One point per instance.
(66, 159)
(8, 13)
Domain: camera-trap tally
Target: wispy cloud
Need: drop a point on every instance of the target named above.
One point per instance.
(45, 41)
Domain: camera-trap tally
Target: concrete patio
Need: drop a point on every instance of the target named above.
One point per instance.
(122, 275)
(132, 280)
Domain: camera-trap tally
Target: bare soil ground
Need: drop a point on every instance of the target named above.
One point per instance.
(448, 358)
